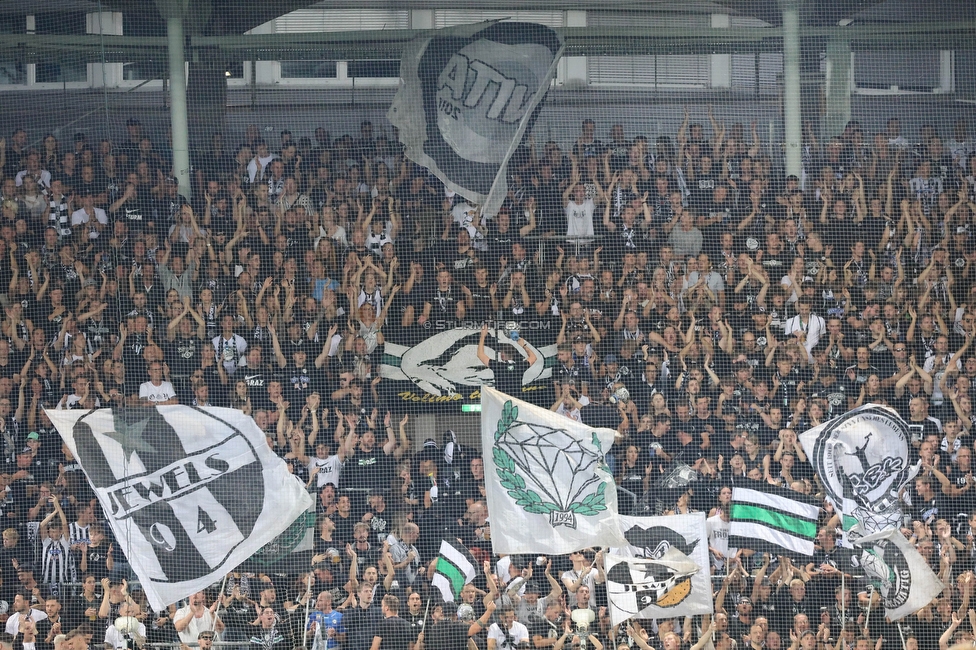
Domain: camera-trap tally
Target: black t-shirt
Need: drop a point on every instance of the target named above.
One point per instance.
(367, 469)
(184, 355)
(395, 633)
(361, 625)
(446, 635)
(508, 374)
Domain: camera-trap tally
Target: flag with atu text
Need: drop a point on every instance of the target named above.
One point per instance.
(467, 95)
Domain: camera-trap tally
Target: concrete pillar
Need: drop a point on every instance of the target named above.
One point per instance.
(174, 12)
(947, 71)
(177, 103)
(104, 75)
(838, 83)
(721, 64)
(792, 117)
(572, 69)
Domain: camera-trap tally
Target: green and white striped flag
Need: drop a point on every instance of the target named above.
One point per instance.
(455, 568)
(772, 519)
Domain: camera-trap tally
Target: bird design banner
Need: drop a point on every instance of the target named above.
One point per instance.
(652, 538)
(548, 486)
(640, 587)
(190, 493)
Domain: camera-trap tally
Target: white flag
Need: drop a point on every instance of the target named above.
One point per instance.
(642, 587)
(863, 459)
(548, 486)
(190, 493)
(467, 95)
(900, 575)
(652, 538)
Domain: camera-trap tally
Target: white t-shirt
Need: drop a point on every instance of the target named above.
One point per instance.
(13, 622)
(196, 625)
(579, 218)
(519, 634)
(718, 538)
(589, 580)
(153, 393)
(252, 167)
(80, 217)
(328, 470)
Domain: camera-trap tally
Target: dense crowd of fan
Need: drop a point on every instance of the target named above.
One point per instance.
(708, 307)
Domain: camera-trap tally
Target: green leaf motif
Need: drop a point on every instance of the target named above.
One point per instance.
(591, 504)
(508, 417)
(596, 442)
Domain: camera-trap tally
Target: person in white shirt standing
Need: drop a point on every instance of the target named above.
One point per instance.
(22, 608)
(580, 208)
(507, 633)
(156, 391)
(89, 220)
(806, 326)
(196, 618)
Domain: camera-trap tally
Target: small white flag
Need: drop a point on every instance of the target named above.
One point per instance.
(900, 575)
(649, 588)
(548, 486)
(652, 538)
(190, 493)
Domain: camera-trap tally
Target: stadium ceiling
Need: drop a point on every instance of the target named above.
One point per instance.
(216, 28)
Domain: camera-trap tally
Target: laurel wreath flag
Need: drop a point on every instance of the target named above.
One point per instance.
(547, 465)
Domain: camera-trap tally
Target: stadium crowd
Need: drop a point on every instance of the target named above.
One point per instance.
(708, 307)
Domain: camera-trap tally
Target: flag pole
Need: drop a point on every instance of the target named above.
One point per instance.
(308, 600)
(423, 627)
(220, 601)
(867, 614)
(902, 635)
(843, 600)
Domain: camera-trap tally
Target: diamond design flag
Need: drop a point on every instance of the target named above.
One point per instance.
(652, 538)
(863, 459)
(548, 486)
(638, 585)
(467, 95)
(900, 575)
(190, 493)
(772, 519)
(455, 568)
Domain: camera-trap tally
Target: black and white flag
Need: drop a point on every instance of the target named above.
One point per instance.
(641, 587)
(652, 538)
(190, 493)
(467, 95)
